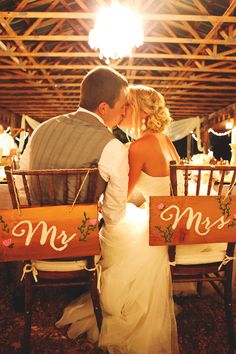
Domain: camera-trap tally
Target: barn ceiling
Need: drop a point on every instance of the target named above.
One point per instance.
(189, 54)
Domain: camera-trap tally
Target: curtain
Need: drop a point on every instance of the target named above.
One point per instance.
(32, 123)
(181, 128)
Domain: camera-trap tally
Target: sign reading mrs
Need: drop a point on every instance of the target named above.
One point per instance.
(192, 219)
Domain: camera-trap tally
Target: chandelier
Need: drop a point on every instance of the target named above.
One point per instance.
(117, 30)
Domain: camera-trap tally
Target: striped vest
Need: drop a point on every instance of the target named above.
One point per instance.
(75, 140)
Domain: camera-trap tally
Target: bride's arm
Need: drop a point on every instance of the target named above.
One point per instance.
(136, 162)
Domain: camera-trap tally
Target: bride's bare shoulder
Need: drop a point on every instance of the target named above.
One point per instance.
(145, 140)
(142, 143)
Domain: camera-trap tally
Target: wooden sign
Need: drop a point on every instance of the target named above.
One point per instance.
(192, 220)
(49, 232)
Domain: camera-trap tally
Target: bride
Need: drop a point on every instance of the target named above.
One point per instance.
(136, 292)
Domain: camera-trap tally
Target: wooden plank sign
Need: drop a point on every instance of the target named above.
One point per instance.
(192, 219)
(49, 232)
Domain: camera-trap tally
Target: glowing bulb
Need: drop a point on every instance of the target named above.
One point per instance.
(229, 125)
(116, 31)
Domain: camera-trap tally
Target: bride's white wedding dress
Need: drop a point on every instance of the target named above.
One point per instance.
(136, 292)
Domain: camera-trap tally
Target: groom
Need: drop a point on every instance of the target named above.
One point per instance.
(82, 138)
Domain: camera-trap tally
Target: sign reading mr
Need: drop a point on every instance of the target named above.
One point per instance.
(180, 220)
(49, 232)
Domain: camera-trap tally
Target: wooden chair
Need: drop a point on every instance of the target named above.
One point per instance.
(53, 187)
(206, 179)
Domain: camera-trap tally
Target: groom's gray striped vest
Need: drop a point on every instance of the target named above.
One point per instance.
(75, 140)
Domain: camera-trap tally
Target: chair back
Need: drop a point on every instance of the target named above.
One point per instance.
(216, 179)
(53, 190)
(54, 186)
(200, 180)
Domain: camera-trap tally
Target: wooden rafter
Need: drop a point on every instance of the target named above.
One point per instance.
(189, 55)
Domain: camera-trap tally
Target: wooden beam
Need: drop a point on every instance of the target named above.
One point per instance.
(145, 68)
(92, 15)
(165, 85)
(147, 39)
(137, 77)
(229, 111)
(219, 56)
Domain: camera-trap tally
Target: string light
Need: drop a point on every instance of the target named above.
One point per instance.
(229, 125)
(219, 134)
(194, 136)
(213, 132)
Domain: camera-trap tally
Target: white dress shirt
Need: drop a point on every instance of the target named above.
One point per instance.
(113, 167)
(6, 144)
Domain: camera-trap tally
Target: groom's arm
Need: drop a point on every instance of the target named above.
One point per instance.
(113, 167)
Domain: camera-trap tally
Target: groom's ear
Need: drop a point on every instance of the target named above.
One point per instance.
(102, 109)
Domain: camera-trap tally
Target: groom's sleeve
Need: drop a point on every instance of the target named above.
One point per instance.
(114, 169)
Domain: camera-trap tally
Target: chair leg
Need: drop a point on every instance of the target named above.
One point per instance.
(199, 288)
(95, 299)
(14, 272)
(229, 309)
(28, 314)
(18, 298)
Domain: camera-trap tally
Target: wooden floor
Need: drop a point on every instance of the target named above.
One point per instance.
(201, 324)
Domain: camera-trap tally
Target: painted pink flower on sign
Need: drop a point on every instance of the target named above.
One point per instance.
(5, 229)
(93, 222)
(88, 225)
(234, 216)
(161, 206)
(7, 243)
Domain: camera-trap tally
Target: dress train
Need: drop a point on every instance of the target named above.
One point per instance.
(136, 293)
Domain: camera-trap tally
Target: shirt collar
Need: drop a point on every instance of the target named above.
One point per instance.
(81, 109)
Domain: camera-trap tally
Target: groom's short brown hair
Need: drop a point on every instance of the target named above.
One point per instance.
(102, 84)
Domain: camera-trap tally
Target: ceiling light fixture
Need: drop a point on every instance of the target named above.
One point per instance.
(117, 30)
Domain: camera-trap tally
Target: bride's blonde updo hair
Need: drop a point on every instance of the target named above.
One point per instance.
(151, 102)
